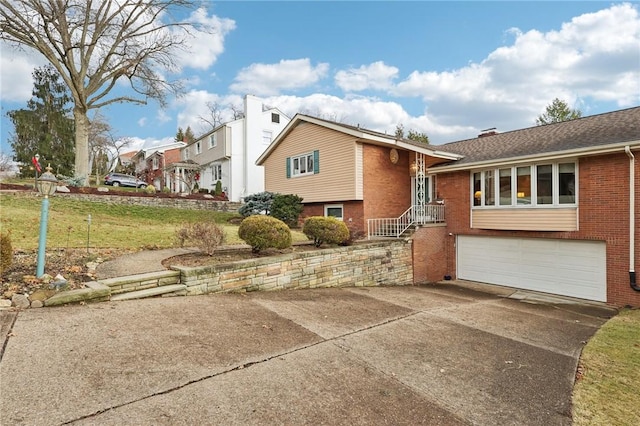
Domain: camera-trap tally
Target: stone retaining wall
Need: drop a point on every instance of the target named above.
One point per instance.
(178, 203)
(141, 281)
(371, 264)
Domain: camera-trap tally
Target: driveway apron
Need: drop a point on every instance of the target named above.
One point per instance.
(444, 355)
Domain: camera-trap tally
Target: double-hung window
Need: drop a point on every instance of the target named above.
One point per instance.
(213, 140)
(303, 165)
(198, 148)
(216, 172)
(541, 185)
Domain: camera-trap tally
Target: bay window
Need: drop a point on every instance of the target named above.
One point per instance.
(545, 185)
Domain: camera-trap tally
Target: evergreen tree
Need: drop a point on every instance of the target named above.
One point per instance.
(45, 126)
(556, 112)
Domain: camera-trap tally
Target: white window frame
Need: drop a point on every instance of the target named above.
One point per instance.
(216, 172)
(213, 140)
(198, 147)
(533, 173)
(186, 153)
(295, 171)
(334, 206)
(155, 163)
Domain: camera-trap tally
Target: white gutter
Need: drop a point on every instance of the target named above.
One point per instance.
(632, 213)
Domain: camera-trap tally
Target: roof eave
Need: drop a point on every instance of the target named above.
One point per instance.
(556, 155)
(361, 135)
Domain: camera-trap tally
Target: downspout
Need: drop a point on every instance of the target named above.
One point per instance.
(632, 213)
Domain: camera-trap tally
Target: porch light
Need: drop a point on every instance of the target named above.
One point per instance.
(413, 168)
(477, 194)
(520, 194)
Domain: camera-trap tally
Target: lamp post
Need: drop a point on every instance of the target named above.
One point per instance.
(46, 186)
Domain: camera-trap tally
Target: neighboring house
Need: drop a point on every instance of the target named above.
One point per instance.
(143, 168)
(551, 208)
(124, 159)
(158, 166)
(228, 153)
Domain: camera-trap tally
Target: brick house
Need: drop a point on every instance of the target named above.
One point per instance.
(158, 166)
(549, 208)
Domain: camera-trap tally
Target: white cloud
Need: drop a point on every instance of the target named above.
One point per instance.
(272, 79)
(376, 76)
(142, 122)
(204, 47)
(369, 113)
(16, 69)
(585, 59)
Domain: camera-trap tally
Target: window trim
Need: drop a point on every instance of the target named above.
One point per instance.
(476, 194)
(198, 145)
(213, 140)
(291, 170)
(334, 206)
(215, 176)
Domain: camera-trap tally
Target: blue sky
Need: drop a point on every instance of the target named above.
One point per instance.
(448, 69)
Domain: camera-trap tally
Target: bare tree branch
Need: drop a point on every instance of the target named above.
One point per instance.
(94, 44)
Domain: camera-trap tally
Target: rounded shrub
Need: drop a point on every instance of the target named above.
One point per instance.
(263, 232)
(327, 230)
(150, 189)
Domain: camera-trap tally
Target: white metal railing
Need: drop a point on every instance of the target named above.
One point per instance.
(414, 215)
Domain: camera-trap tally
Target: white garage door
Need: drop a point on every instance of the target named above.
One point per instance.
(565, 267)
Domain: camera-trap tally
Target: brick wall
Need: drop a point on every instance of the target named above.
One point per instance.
(603, 215)
(367, 264)
(352, 211)
(430, 256)
(387, 186)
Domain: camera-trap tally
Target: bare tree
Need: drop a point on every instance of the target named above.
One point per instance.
(237, 112)
(214, 119)
(216, 114)
(6, 162)
(94, 44)
(104, 147)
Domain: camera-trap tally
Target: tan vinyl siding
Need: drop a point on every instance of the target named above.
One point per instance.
(337, 158)
(539, 219)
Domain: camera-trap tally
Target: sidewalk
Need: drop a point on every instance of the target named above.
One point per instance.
(138, 263)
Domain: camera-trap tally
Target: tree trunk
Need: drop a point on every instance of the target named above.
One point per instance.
(82, 145)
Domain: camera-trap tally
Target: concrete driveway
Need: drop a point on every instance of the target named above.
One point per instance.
(447, 354)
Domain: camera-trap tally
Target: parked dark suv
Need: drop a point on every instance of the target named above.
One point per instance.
(119, 179)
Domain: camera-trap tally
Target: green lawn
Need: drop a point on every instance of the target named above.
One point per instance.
(112, 226)
(607, 394)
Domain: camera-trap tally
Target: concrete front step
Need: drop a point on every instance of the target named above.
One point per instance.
(149, 292)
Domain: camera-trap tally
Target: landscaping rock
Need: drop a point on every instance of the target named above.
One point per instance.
(37, 304)
(5, 303)
(103, 189)
(62, 189)
(20, 301)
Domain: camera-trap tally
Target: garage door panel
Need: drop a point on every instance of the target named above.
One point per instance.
(565, 267)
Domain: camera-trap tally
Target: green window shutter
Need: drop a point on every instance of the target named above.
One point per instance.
(288, 167)
(316, 162)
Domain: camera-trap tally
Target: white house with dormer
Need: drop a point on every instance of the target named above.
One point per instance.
(229, 152)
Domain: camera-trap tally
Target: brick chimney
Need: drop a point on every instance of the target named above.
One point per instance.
(488, 132)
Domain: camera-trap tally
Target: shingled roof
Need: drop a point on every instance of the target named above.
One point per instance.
(617, 127)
